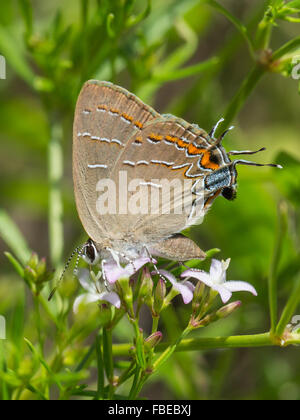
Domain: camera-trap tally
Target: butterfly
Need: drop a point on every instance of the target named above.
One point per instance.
(117, 136)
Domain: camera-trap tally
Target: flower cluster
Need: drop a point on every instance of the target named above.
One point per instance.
(112, 284)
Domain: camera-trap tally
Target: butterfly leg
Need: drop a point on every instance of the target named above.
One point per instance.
(103, 273)
(154, 264)
(117, 254)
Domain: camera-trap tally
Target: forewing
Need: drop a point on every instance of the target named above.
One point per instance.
(106, 117)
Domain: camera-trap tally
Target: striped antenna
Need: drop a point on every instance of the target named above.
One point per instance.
(220, 139)
(213, 131)
(245, 152)
(226, 132)
(249, 163)
(77, 251)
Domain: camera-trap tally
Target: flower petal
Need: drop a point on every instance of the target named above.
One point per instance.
(138, 263)
(224, 293)
(216, 271)
(83, 275)
(240, 286)
(85, 298)
(185, 291)
(199, 275)
(186, 288)
(112, 298)
(113, 272)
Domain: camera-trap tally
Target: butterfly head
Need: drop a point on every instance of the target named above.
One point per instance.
(223, 180)
(90, 253)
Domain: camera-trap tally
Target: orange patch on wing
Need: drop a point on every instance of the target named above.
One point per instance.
(127, 117)
(207, 163)
(193, 150)
(182, 143)
(172, 139)
(155, 137)
(138, 124)
(104, 107)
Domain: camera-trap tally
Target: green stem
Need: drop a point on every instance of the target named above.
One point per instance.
(55, 175)
(155, 322)
(3, 367)
(135, 383)
(272, 281)
(170, 350)
(286, 48)
(143, 377)
(38, 323)
(108, 360)
(127, 373)
(289, 309)
(208, 343)
(239, 26)
(241, 96)
(100, 368)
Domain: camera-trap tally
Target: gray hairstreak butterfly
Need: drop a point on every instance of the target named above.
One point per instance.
(115, 132)
(118, 138)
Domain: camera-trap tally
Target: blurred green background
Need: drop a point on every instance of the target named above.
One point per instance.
(51, 49)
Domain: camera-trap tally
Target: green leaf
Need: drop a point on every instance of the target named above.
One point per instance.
(236, 22)
(11, 49)
(187, 71)
(288, 179)
(294, 3)
(13, 237)
(134, 20)
(43, 362)
(19, 269)
(26, 9)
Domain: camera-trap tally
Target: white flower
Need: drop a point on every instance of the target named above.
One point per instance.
(216, 280)
(114, 271)
(185, 288)
(96, 291)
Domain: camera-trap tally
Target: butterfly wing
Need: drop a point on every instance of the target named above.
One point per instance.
(167, 149)
(106, 117)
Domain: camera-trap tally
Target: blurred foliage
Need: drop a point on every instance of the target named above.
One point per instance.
(200, 60)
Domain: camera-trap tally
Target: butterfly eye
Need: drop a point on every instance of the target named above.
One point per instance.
(229, 193)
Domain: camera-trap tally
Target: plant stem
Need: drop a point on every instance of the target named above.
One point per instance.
(108, 360)
(170, 349)
(286, 48)
(272, 281)
(155, 321)
(289, 309)
(208, 343)
(100, 367)
(241, 96)
(135, 383)
(55, 174)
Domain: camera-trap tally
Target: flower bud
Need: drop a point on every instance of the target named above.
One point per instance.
(36, 273)
(227, 310)
(159, 296)
(127, 295)
(224, 312)
(153, 340)
(146, 284)
(198, 297)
